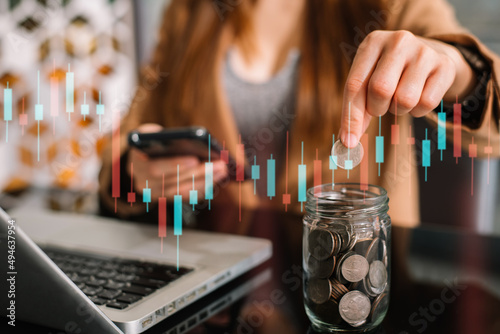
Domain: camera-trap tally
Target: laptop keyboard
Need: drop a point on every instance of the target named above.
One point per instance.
(114, 282)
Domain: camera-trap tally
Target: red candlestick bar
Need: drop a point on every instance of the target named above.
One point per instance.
(224, 154)
(318, 166)
(457, 130)
(240, 174)
(131, 194)
(162, 214)
(395, 135)
(287, 199)
(472, 155)
(54, 98)
(115, 157)
(23, 119)
(410, 141)
(363, 178)
(240, 161)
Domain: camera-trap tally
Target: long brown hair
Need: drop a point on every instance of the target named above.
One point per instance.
(194, 38)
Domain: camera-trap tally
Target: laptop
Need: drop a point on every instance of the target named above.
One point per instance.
(86, 274)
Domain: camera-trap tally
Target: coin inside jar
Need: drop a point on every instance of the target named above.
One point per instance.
(380, 305)
(377, 251)
(354, 307)
(345, 236)
(347, 158)
(378, 275)
(323, 243)
(354, 268)
(319, 290)
(320, 269)
(337, 271)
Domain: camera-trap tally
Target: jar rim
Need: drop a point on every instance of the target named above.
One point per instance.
(346, 199)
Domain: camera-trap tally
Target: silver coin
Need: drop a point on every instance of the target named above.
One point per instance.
(338, 271)
(357, 324)
(378, 275)
(379, 308)
(319, 290)
(354, 307)
(347, 158)
(377, 250)
(354, 268)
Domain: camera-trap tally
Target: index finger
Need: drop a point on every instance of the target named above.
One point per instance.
(355, 120)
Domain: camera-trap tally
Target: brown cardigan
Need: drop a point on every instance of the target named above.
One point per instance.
(428, 18)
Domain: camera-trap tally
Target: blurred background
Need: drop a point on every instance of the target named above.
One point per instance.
(116, 37)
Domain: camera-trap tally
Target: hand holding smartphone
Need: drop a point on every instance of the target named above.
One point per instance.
(155, 153)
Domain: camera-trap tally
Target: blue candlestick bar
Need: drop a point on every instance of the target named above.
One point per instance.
(85, 110)
(178, 209)
(178, 215)
(7, 109)
(70, 92)
(302, 180)
(441, 131)
(271, 177)
(255, 174)
(426, 154)
(209, 177)
(146, 196)
(193, 196)
(379, 145)
(99, 110)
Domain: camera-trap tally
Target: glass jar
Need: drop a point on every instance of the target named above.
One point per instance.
(346, 257)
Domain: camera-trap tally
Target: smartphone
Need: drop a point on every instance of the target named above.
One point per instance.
(194, 141)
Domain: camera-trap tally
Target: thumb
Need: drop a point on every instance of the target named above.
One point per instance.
(353, 124)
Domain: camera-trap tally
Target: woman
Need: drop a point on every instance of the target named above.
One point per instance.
(261, 68)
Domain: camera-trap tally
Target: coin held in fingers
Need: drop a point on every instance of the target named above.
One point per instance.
(347, 158)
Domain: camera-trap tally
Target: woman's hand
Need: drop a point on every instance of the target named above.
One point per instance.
(397, 66)
(154, 169)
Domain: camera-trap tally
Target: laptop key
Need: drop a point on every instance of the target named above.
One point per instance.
(106, 274)
(89, 271)
(124, 277)
(110, 266)
(91, 291)
(95, 281)
(117, 305)
(109, 294)
(130, 269)
(78, 278)
(98, 301)
(149, 282)
(92, 263)
(138, 290)
(114, 285)
(128, 298)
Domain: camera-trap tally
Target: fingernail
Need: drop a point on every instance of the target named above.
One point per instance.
(349, 140)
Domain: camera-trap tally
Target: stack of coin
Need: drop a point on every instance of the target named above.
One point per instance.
(346, 273)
